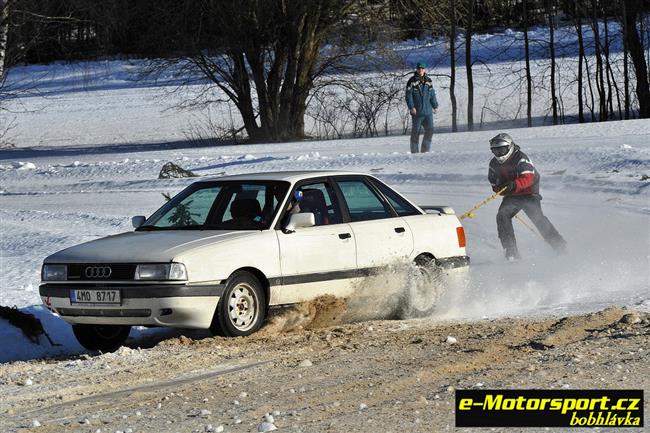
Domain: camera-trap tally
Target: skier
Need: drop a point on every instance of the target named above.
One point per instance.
(512, 169)
(422, 103)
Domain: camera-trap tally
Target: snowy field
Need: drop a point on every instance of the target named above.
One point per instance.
(88, 159)
(110, 102)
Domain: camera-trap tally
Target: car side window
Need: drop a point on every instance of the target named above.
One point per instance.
(401, 205)
(318, 198)
(362, 201)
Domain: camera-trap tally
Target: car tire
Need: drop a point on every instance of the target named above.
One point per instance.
(106, 338)
(242, 307)
(423, 290)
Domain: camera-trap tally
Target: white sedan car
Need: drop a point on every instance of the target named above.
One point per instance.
(224, 250)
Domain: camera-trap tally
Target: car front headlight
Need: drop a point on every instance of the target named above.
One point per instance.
(167, 271)
(54, 273)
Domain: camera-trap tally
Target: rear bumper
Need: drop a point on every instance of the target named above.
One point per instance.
(453, 262)
(455, 273)
(175, 305)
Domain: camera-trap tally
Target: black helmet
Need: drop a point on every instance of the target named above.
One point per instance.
(502, 146)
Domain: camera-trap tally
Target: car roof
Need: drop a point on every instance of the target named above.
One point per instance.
(289, 176)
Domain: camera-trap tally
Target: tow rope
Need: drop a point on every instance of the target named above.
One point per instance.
(470, 213)
(529, 227)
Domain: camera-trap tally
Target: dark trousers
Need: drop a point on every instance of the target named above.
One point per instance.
(530, 204)
(418, 122)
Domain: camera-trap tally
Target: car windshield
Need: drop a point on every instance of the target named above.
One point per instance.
(221, 205)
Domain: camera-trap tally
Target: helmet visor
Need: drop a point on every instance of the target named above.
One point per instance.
(501, 150)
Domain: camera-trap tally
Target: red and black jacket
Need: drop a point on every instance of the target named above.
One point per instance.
(518, 169)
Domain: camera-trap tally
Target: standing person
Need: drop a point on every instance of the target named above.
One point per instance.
(422, 103)
(512, 169)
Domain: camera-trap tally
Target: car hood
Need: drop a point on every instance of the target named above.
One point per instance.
(143, 246)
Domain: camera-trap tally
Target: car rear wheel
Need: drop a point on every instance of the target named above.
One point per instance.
(423, 290)
(107, 338)
(242, 307)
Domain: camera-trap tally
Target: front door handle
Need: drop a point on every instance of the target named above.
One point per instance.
(400, 229)
(345, 235)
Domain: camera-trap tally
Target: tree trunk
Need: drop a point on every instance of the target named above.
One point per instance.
(638, 58)
(591, 91)
(241, 86)
(452, 83)
(468, 65)
(581, 54)
(272, 60)
(612, 77)
(529, 80)
(600, 79)
(4, 31)
(551, 24)
(302, 58)
(626, 72)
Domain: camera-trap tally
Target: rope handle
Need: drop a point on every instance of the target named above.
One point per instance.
(470, 213)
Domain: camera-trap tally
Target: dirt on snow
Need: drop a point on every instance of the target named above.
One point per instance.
(315, 374)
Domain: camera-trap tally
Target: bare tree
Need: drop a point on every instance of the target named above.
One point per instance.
(631, 12)
(550, 14)
(577, 20)
(626, 54)
(529, 80)
(469, 30)
(4, 32)
(611, 78)
(452, 62)
(265, 56)
(600, 78)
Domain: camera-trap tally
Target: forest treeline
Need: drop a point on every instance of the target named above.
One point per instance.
(273, 58)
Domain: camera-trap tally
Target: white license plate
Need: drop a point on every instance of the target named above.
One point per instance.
(95, 296)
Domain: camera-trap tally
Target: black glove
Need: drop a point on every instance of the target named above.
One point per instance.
(510, 187)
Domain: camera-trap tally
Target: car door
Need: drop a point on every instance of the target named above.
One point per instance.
(316, 260)
(382, 237)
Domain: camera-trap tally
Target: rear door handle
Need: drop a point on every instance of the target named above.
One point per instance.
(400, 229)
(345, 235)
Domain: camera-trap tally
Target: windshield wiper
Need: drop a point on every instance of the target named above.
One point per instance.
(156, 228)
(149, 228)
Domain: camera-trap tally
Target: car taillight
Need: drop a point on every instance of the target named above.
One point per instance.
(460, 233)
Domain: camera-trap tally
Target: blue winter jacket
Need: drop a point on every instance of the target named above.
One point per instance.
(420, 94)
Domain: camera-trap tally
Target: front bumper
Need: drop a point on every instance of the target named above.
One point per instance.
(174, 305)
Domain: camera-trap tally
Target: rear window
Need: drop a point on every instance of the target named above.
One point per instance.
(399, 203)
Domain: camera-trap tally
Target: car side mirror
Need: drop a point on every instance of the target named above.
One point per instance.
(299, 221)
(137, 221)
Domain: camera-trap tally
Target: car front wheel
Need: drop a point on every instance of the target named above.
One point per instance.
(241, 308)
(107, 338)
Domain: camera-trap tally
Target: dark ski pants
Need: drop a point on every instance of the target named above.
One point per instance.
(418, 122)
(531, 205)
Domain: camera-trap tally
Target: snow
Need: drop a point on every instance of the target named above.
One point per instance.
(590, 183)
(88, 157)
(451, 340)
(110, 103)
